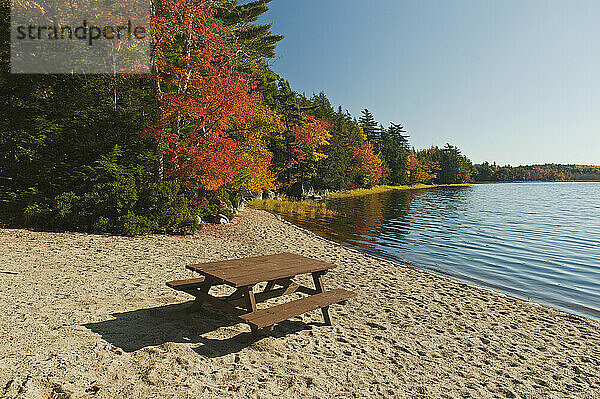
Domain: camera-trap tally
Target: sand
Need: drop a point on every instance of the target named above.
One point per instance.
(89, 316)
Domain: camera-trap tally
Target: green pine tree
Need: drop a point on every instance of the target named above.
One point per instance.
(257, 39)
(394, 152)
(370, 126)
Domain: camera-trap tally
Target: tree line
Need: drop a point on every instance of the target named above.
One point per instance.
(487, 172)
(135, 154)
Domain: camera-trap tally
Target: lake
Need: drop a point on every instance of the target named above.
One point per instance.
(536, 241)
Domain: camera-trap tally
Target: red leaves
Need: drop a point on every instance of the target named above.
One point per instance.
(308, 141)
(311, 135)
(209, 164)
(200, 94)
(464, 174)
(421, 170)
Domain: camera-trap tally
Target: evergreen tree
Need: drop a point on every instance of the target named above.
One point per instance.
(257, 39)
(395, 151)
(454, 167)
(286, 103)
(395, 131)
(370, 126)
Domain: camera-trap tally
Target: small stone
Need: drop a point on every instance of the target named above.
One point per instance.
(268, 194)
(220, 219)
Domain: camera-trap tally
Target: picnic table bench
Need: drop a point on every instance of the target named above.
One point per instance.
(278, 271)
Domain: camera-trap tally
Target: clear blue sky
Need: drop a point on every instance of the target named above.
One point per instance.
(511, 81)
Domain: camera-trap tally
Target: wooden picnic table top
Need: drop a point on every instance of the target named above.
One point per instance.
(249, 271)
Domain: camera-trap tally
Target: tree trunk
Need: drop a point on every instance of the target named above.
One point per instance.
(159, 168)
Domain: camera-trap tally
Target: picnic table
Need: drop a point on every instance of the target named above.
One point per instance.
(277, 271)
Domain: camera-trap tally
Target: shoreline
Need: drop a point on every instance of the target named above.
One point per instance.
(382, 189)
(319, 207)
(89, 315)
(474, 284)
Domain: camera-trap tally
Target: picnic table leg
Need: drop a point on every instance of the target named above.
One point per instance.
(270, 285)
(318, 279)
(250, 304)
(205, 287)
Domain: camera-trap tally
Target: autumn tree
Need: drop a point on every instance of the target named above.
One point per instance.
(307, 148)
(253, 138)
(419, 171)
(351, 159)
(424, 166)
(366, 164)
(199, 94)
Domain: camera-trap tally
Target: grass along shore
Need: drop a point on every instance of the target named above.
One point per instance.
(309, 208)
(296, 207)
(382, 189)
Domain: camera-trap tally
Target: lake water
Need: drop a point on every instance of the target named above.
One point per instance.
(537, 241)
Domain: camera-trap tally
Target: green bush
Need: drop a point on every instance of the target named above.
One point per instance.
(119, 207)
(36, 215)
(133, 225)
(168, 207)
(116, 199)
(65, 211)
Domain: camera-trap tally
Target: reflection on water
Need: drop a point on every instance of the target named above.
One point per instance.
(533, 240)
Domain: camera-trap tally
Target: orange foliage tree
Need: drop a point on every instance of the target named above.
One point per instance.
(366, 163)
(309, 139)
(420, 170)
(199, 95)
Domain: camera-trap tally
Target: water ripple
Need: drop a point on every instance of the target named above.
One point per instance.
(539, 241)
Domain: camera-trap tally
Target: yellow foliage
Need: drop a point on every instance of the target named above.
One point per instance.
(304, 208)
(381, 189)
(252, 146)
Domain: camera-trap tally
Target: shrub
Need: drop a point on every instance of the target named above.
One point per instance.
(36, 215)
(228, 213)
(168, 207)
(132, 225)
(119, 207)
(211, 204)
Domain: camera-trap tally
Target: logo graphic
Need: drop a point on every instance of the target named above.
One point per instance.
(74, 36)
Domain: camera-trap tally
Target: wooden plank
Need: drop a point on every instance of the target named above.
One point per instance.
(266, 295)
(276, 314)
(319, 287)
(274, 273)
(250, 299)
(253, 260)
(202, 292)
(291, 266)
(282, 264)
(306, 290)
(270, 285)
(250, 271)
(204, 297)
(239, 293)
(250, 304)
(186, 284)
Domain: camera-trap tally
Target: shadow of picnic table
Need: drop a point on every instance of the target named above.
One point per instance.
(141, 328)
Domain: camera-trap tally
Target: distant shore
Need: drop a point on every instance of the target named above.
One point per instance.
(537, 181)
(90, 316)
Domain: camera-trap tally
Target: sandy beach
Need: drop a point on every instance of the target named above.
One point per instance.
(89, 316)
